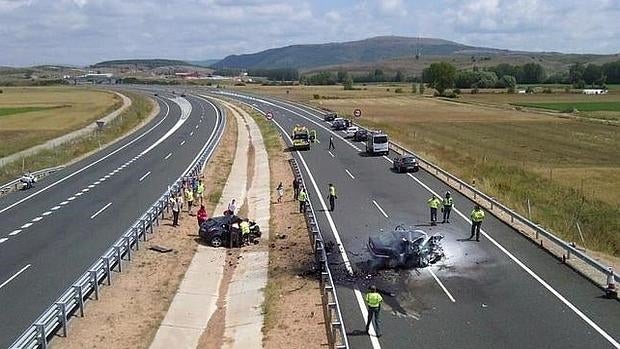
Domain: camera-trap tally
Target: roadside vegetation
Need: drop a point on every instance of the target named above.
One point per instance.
(568, 169)
(139, 110)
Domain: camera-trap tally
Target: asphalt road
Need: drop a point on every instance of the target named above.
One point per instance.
(52, 233)
(501, 292)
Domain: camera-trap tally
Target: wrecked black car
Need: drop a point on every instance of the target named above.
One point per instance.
(404, 248)
(225, 231)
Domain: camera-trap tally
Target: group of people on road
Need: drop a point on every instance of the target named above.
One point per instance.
(446, 204)
(192, 190)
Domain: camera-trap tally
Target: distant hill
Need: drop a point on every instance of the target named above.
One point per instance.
(397, 53)
(143, 63)
(205, 62)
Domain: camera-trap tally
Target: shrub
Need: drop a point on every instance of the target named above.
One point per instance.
(414, 88)
(316, 96)
(547, 90)
(387, 89)
(529, 89)
(457, 91)
(239, 84)
(398, 90)
(421, 89)
(567, 89)
(474, 91)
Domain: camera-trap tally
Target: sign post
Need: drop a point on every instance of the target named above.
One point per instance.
(357, 112)
(269, 115)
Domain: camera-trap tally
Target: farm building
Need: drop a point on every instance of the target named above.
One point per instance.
(594, 91)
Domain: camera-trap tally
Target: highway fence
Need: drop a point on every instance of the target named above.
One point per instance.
(16, 184)
(72, 300)
(334, 324)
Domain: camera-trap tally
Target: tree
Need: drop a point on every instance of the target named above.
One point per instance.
(342, 75)
(421, 89)
(441, 76)
(575, 72)
(611, 71)
(486, 79)
(593, 74)
(348, 82)
(399, 77)
(531, 73)
(507, 81)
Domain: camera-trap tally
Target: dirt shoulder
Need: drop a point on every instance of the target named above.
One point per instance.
(129, 313)
(292, 307)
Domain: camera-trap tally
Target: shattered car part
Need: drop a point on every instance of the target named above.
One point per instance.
(405, 248)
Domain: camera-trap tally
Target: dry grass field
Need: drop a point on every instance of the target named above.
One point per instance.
(33, 115)
(568, 168)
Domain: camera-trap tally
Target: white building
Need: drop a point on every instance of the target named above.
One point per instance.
(594, 91)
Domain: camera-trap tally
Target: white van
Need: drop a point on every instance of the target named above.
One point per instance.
(377, 143)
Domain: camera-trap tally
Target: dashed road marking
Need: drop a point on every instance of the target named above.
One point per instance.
(144, 176)
(380, 209)
(91, 186)
(349, 173)
(182, 142)
(101, 210)
(330, 153)
(168, 156)
(79, 194)
(15, 232)
(27, 225)
(71, 198)
(46, 213)
(36, 219)
(191, 133)
(445, 290)
(64, 203)
(55, 208)
(85, 190)
(14, 275)
(97, 183)
(3, 240)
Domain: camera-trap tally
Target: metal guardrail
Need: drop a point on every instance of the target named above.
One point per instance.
(56, 317)
(16, 184)
(336, 333)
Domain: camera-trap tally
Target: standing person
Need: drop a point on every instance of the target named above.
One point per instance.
(448, 203)
(332, 197)
(232, 207)
(202, 215)
(477, 216)
(373, 302)
(280, 190)
(433, 203)
(200, 190)
(331, 143)
(244, 226)
(189, 197)
(302, 197)
(176, 209)
(295, 188)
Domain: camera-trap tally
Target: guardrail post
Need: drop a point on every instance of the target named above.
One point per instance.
(128, 244)
(136, 238)
(80, 299)
(63, 318)
(107, 269)
(42, 337)
(567, 253)
(93, 279)
(118, 257)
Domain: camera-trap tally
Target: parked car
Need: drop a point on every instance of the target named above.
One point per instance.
(339, 124)
(330, 117)
(182, 94)
(217, 231)
(360, 135)
(350, 132)
(406, 248)
(406, 163)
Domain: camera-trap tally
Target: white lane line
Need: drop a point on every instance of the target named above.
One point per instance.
(3, 240)
(186, 110)
(79, 194)
(330, 153)
(343, 254)
(64, 203)
(15, 275)
(529, 271)
(27, 225)
(191, 133)
(168, 156)
(445, 290)
(71, 198)
(101, 210)
(91, 186)
(91, 164)
(101, 179)
(316, 140)
(349, 173)
(380, 209)
(15, 232)
(196, 126)
(182, 142)
(46, 213)
(36, 219)
(107, 176)
(97, 183)
(55, 208)
(145, 175)
(85, 190)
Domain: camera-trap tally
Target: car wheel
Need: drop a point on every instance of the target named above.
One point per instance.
(216, 241)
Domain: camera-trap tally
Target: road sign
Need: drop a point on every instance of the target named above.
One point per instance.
(269, 115)
(357, 113)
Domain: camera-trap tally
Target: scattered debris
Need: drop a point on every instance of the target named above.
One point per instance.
(160, 249)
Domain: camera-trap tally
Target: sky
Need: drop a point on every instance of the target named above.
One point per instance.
(82, 32)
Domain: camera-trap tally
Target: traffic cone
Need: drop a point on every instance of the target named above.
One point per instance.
(611, 291)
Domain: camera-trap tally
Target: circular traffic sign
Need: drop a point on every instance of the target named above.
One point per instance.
(357, 113)
(269, 115)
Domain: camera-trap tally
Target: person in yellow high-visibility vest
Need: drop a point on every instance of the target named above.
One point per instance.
(244, 226)
(302, 197)
(477, 216)
(373, 302)
(434, 204)
(448, 203)
(332, 197)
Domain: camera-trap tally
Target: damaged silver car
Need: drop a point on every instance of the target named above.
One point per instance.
(405, 248)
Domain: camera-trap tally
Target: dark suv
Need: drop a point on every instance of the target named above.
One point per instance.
(406, 163)
(330, 117)
(360, 136)
(218, 231)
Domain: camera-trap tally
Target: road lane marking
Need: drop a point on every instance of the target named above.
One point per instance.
(183, 142)
(144, 176)
(445, 290)
(168, 156)
(196, 126)
(46, 213)
(36, 219)
(101, 210)
(186, 110)
(349, 173)
(107, 176)
(191, 133)
(330, 153)
(97, 183)
(71, 198)
(79, 194)
(91, 186)
(64, 203)
(15, 275)
(15, 232)
(89, 165)
(27, 225)
(380, 209)
(101, 179)
(529, 271)
(85, 190)
(3, 240)
(55, 208)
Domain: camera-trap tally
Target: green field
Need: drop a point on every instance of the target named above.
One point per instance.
(33, 115)
(568, 168)
(580, 106)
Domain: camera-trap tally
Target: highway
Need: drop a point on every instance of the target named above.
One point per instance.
(501, 292)
(52, 233)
